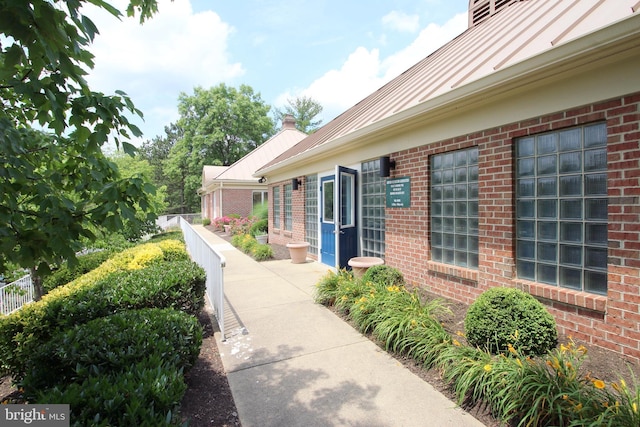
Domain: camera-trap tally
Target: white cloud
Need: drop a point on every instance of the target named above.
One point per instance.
(400, 21)
(173, 52)
(364, 72)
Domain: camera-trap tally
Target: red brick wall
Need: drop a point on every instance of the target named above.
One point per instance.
(611, 321)
(237, 201)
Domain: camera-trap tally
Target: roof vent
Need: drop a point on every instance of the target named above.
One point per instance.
(288, 122)
(479, 10)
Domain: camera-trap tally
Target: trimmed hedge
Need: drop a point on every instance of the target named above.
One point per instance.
(384, 275)
(147, 395)
(113, 344)
(503, 316)
(134, 279)
(64, 274)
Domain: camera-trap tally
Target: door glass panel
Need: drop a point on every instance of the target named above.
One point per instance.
(347, 214)
(327, 201)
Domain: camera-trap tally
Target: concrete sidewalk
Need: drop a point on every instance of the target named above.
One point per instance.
(291, 362)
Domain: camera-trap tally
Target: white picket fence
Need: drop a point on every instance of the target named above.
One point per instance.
(212, 262)
(16, 294)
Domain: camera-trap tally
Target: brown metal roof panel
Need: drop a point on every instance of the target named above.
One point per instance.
(520, 31)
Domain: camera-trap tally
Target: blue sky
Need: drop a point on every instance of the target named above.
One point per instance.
(336, 52)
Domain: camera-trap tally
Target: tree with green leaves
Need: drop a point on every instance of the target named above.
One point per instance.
(221, 125)
(57, 185)
(156, 152)
(304, 109)
(132, 167)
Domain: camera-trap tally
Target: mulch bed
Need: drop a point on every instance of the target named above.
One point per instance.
(209, 402)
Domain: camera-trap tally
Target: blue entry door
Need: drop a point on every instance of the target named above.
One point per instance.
(328, 221)
(347, 214)
(338, 217)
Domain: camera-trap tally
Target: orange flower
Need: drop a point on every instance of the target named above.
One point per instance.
(456, 343)
(487, 367)
(599, 384)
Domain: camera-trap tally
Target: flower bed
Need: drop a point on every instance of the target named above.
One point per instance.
(552, 389)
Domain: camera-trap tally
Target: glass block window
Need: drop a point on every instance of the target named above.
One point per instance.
(311, 212)
(288, 212)
(454, 208)
(276, 207)
(561, 208)
(373, 210)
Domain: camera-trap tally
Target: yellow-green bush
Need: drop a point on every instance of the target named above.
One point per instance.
(136, 278)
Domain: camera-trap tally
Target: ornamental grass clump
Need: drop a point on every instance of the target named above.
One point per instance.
(498, 313)
(262, 252)
(327, 288)
(396, 317)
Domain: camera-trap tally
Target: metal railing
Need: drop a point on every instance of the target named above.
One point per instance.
(212, 262)
(16, 294)
(172, 220)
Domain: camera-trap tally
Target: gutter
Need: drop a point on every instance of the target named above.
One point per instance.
(589, 50)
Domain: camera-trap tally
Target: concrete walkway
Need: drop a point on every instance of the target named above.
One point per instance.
(291, 362)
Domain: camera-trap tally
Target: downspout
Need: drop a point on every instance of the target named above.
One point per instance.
(221, 207)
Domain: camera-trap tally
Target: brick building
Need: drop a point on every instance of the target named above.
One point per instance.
(508, 157)
(228, 190)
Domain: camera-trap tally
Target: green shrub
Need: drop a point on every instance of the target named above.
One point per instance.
(64, 274)
(148, 394)
(175, 284)
(262, 252)
(168, 235)
(260, 211)
(112, 344)
(503, 316)
(384, 275)
(236, 240)
(259, 227)
(246, 243)
(206, 221)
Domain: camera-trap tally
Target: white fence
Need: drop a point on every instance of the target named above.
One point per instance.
(167, 221)
(212, 262)
(16, 294)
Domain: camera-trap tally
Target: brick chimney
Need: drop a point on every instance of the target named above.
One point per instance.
(288, 122)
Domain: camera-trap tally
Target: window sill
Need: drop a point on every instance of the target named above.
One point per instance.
(276, 231)
(453, 270)
(572, 297)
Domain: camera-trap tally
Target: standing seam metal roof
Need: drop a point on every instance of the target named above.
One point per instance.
(520, 31)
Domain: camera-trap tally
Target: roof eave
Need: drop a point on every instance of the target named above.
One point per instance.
(587, 51)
